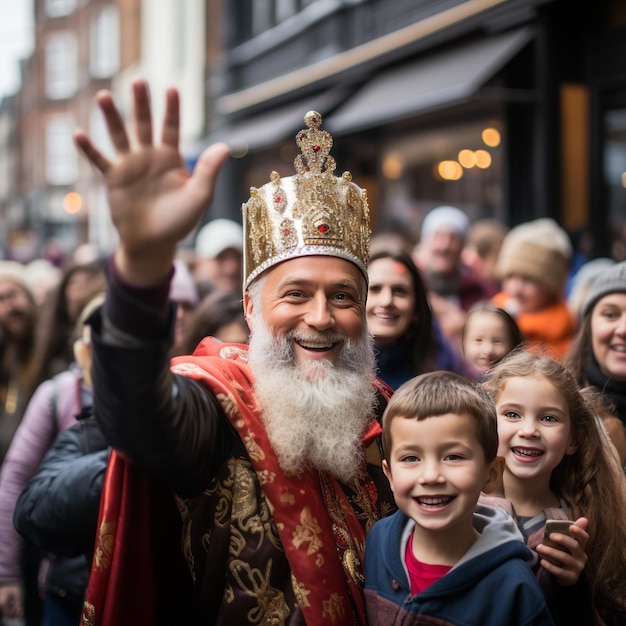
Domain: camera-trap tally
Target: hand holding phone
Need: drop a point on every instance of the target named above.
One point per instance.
(556, 526)
(566, 569)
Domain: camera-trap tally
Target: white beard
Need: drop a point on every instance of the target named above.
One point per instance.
(315, 414)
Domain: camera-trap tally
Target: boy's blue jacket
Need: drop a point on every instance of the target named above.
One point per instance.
(492, 585)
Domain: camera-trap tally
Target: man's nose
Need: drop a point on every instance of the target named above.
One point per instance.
(319, 314)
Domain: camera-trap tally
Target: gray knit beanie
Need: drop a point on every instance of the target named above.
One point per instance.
(613, 280)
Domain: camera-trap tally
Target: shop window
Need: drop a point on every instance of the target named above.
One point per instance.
(460, 165)
(265, 14)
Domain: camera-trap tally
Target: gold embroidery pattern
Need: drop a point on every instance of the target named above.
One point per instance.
(88, 617)
(301, 592)
(254, 450)
(333, 608)
(308, 531)
(227, 402)
(287, 497)
(312, 212)
(271, 607)
(265, 477)
(249, 517)
(352, 565)
(185, 516)
(236, 505)
(349, 547)
(258, 234)
(364, 495)
(106, 542)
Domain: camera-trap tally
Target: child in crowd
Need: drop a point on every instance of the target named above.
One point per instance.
(559, 464)
(488, 335)
(441, 557)
(533, 266)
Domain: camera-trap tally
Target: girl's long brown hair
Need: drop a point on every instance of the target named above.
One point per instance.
(590, 480)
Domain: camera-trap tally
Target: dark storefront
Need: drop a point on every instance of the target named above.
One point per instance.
(494, 106)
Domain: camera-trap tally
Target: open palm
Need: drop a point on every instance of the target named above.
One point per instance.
(154, 201)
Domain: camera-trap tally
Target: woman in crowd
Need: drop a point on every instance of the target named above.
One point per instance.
(598, 355)
(407, 338)
(54, 407)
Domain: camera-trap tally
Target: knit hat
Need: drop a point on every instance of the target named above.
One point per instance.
(613, 280)
(219, 235)
(539, 249)
(445, 217)
(15, 272)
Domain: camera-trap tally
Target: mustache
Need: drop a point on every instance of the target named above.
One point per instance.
(321, 337)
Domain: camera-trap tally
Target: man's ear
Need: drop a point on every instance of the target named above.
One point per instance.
(494, 475)
(247, 309)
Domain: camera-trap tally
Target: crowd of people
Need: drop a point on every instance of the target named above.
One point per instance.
(299, 422)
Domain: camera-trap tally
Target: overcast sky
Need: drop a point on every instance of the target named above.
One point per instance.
(16, 41)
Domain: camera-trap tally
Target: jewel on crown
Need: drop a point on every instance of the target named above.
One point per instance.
(313, 212)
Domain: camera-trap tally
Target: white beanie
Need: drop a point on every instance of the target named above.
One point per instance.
(15, 272)
(445, 217)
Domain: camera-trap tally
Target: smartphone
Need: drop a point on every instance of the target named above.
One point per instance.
(556, 526)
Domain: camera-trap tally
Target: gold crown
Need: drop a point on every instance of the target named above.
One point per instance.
(313, 212)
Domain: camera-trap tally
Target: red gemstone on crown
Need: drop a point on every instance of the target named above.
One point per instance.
(278, 199)
(316, 148)
(322, 228)
(286, 232)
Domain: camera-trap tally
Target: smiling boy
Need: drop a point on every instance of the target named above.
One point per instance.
(441, 556)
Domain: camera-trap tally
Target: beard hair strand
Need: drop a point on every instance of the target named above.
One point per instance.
(315, 414)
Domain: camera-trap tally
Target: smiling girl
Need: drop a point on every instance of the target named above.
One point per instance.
(559, 464)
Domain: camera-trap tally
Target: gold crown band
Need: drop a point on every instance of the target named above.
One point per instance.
(311, 213)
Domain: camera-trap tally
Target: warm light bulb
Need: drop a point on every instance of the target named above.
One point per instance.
(450, 170)
(491, 137)
(467, 158)
(392, 167)
(483, 159)
(72, 202)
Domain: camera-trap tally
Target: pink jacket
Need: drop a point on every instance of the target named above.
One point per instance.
(31, 441)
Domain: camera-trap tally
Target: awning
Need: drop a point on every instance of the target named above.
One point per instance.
(268, 128)
(428, 83)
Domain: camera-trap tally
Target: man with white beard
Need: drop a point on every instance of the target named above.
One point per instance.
(272, 450)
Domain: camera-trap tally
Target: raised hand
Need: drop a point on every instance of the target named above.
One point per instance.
(154, 201)
(566, 567)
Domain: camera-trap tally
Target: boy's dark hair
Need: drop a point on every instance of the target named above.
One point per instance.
(438, 393)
